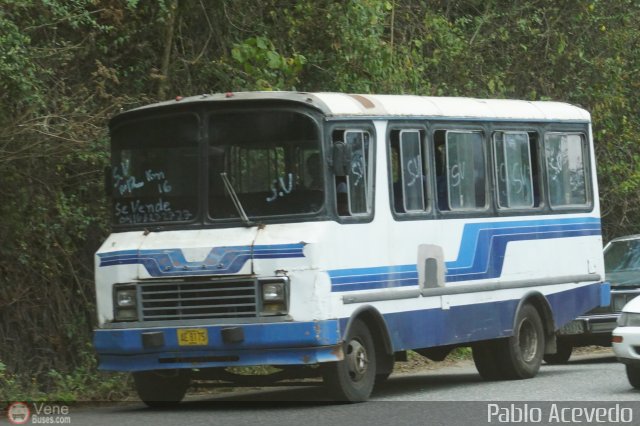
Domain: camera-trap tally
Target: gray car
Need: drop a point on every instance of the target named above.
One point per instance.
(622, 266)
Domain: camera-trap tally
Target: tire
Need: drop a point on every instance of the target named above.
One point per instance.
(353, 378)
(562, 355)
(633, 374)
(522, 354)
(162, 388)
(382, 378)
(384, 366)
(486, 356)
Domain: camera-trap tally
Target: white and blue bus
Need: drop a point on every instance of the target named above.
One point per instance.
(327, 234)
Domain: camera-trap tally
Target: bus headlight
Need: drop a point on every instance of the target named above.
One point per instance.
(125, 303)
(273, 292)
(274, 297)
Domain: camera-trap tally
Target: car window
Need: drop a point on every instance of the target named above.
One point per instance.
(622, 256)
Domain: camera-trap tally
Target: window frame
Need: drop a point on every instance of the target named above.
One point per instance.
(367, 179)
(423, 194)
(398, 127)
(197, 218)
(496, 171)
(487, 195)
(313, 117)
(343, 126)
(586, 160)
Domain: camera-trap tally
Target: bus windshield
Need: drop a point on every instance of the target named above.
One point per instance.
(154, 170)
(272, 160)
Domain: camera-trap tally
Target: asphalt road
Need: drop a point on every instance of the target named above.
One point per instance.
(453, 395)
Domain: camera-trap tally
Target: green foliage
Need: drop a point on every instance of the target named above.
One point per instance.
(80, 384)
(18, 82)
(263, 68)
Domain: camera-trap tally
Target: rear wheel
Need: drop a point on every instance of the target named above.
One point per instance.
(517, 357)
(352, 379)
(633, 374)
(486, 357)
(562, 355)
(162, 388)
(523, 352)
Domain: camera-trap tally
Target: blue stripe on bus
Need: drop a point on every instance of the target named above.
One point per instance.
(373, 278)
(467, 323)
(481, 254)
(475, 234)
(220, 260)
(311, 342)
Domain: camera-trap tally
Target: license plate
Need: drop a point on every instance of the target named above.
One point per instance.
(193, 337)
(574, 327)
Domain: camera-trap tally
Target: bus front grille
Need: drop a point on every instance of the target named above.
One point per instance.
(198, 299)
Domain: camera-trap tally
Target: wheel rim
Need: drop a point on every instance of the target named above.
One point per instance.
(357, 360)
(528, 339)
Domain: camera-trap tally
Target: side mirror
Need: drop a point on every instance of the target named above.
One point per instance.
(341, 158)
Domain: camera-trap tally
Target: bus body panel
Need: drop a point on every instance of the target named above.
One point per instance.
(334, 268)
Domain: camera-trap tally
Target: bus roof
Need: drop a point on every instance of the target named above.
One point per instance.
(367, 105)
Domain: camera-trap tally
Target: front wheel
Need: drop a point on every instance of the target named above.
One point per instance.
(352, 379)
(523, 352)
(162, 388)
(633, 374)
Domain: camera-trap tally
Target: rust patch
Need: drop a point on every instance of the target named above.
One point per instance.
(338, 352)
(363, 101)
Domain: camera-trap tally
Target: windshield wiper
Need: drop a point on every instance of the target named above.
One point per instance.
(235, 199)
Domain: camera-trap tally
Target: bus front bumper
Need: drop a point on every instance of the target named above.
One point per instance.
(287, 343)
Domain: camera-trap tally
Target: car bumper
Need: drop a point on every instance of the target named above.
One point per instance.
(590, 324)
(291, 343)
(627, 348)
(590, 330)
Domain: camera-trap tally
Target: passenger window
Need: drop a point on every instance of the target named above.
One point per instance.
(354, 191)
(565, 155)
(460, 170)
(408, 171)
(513, 170)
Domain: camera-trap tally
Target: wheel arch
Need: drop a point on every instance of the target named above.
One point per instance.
(541, 304)
(374, 320)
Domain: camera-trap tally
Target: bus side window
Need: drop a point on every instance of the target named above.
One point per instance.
(461, 175)
(408, 171)
(565, 157)
(515, 170)
(354, 191)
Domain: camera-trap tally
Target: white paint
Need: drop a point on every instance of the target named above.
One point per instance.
(383, 242)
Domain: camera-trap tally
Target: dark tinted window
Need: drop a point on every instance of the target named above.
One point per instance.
(272, 160)
(154, 170)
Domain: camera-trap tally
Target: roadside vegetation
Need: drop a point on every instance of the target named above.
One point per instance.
(67, 66)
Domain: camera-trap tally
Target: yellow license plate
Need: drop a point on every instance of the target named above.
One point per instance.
(193, 337)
